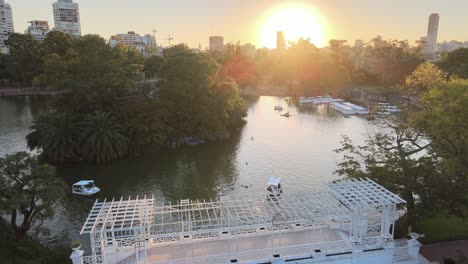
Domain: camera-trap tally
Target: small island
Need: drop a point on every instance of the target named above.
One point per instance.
(120, 104)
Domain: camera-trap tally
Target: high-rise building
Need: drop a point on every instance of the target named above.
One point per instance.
(280, 40)
(216, 43)
(67, 17)
(6, 24)
(145, 44)
(38, 29)
(432, 31)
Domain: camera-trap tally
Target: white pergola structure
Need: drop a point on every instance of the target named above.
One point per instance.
(347, 214)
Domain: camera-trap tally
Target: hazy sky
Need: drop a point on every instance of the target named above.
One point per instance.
(193, 21)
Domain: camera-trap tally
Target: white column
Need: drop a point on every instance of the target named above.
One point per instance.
(77, 256)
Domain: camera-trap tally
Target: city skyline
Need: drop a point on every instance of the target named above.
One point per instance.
(193, 23)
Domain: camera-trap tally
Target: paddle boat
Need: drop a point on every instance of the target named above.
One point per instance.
(274, 187)
(278, 108)
(85, 188)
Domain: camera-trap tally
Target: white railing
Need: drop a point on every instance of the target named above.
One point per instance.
(400, 254)
(266, 254)
(92, 260)
(373, 242)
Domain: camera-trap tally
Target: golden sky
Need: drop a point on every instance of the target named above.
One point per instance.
(255, 21)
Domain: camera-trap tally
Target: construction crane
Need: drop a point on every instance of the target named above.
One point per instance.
(169, 38)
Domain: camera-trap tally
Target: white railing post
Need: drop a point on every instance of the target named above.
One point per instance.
(413, 248)
(77, 256)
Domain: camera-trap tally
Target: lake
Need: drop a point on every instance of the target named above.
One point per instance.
(298, 149)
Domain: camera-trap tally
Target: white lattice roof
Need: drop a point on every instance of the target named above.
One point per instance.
(303, 208)
(362, 193)
(119, 214)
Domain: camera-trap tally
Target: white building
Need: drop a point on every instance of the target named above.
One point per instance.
(145, 44)
(67, 17)
(432, 30)
(6, 24)
(38, 29)
(351, 221)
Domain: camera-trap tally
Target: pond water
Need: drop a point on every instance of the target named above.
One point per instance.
(298, 149)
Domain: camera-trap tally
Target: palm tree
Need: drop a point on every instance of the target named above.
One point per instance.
(103, 138)
(56, 135)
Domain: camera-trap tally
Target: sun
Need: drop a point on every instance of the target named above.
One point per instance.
(295, 21)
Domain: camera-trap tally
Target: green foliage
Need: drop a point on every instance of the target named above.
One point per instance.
(443, 120)
(106, 117)
(57, 135)
(390, 61)
(455, 62)
(425, 76)
(394, 157)
(57, 42)
(443, 227)
(29, 190)
(152, 66)
(26, 57)
(199, 103)
(103, 138)
(240, 68)
(28, 250)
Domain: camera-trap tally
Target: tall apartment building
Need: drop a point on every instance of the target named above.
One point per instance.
(216, 43)
(132, 39)
(280, 40)
(67, 17)
(432, 30)
(38, 29)
(6, 24)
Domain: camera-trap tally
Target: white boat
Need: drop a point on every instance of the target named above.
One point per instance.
(390, 109)
(278, 108)
(344, 109)
(85, 188)
(358, 109)
(319, 100)
(274, 187)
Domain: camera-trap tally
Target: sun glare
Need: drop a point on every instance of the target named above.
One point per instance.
(295, 21)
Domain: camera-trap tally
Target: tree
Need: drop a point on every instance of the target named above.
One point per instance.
(337, 46)
(102, 137)
(241, 69)
(389, 61)
(57, 42)
(425, 76)
(191, 95)
(395, 158)
(455, 62)
(26, 57)
(152, 66)
(56, 134)
(28, 192)
(442, 117)
(54, 72)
